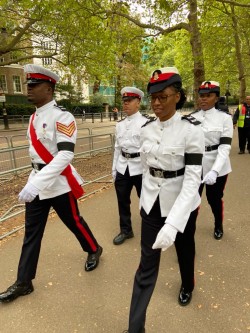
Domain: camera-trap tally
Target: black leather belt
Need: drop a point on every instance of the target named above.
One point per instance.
(38, 166)
(210, 148)
(166, 174)
(133, 155)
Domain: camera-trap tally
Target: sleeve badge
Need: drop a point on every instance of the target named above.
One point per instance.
(67, 130)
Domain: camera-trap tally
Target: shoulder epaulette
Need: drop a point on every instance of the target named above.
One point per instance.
(191, 119)
(150, 119)
(62, 108)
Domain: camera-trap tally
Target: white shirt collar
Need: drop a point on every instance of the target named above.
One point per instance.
(46, 106)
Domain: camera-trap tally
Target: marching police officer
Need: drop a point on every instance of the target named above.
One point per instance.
(126, 168)
(171, 152)
(53, 181)
(218, 131)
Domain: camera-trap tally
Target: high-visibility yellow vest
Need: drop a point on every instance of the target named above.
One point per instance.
(242, 115)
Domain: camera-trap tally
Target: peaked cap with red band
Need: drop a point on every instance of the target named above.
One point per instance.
(37, 74)
(131, 92)
(162, 78)
(209, 87)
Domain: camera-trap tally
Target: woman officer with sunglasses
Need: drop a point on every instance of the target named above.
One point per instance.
(171, 153)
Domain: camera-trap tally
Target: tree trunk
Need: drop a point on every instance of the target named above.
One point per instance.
(96, 86)
(240, 65)
(197, 52)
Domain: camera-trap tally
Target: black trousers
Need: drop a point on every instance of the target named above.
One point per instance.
(214, 195)
(147, 272)
(124, 185)
(36, 216)
(244, 138)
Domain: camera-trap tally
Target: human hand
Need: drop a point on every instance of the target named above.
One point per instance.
(210, 177)
(28, 193)
(114, 175)
(165, 238)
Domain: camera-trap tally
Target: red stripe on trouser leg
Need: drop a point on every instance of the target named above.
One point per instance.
(79, 225)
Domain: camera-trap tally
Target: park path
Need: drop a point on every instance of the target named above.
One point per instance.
(68, 300)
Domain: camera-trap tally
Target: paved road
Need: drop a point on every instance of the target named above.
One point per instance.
(68, 300)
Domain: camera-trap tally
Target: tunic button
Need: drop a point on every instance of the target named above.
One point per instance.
(159, 185)
(158, 142)
(156, 158)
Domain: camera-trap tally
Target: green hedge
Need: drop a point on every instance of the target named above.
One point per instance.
(77, 108)
(18, 109)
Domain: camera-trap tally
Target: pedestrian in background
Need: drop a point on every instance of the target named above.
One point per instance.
(171, 152)
(127, 168)
(222, 105)
(115, 113)
(241, 118)
(218, 130)
(53, 181)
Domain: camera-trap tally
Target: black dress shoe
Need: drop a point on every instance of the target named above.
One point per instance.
(121, 237)
(16, 290)
(218, 233)
(184, 297)
(241, 152)
(93, 260)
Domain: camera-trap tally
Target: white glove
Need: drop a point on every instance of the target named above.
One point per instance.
(165, 238)
(210, 177)
(28, 193)
(114, 175)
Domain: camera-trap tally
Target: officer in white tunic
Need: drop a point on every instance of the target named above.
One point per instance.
(127, 168)
(218, 131)
(53, 181)
(171, 152)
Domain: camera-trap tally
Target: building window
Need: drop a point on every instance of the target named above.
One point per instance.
(17, 84)
(3, 84)
(47, 47)
(2, 59)
(47, 61)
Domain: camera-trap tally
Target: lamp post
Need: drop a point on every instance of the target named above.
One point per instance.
(5, 116)
(227, 91)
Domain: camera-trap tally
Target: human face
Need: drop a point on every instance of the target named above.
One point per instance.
(248, 100)
(164, 102)
(130, 106)
(39, 94)
(207, 101)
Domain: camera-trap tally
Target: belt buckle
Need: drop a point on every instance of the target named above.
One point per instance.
(208, 148)
(127, 155)
(36, 166)
(158, 173)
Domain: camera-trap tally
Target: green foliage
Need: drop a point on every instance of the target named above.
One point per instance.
(98, 99)
(18, 109)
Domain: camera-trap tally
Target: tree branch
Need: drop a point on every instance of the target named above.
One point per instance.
(234, 3)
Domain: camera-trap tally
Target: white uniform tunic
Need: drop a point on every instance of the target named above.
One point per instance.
(218, 129)
(164, 146)
(128, 133)
(53, 126)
